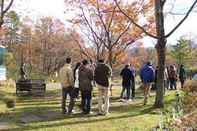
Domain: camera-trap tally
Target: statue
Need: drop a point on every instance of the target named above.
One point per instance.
(23, 75)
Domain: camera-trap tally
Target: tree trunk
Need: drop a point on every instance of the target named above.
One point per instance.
(160, 47)
(110, 58)
(161, 51)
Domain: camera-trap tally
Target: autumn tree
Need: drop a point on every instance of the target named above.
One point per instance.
(53, 44)
(43, 47)
(106, 28)
(160, 35)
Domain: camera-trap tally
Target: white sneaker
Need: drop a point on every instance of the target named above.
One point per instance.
(129, 100)
(122, 100)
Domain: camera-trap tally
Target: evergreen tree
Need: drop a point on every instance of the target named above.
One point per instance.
(181, 51)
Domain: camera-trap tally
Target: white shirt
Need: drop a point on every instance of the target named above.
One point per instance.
(76, 84)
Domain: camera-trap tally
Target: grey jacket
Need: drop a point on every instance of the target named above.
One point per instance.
(85, 78)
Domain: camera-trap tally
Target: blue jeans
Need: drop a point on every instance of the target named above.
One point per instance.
(128, 88)
(67, 91)
(86, 97)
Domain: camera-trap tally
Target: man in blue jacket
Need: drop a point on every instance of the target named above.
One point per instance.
(147, 75)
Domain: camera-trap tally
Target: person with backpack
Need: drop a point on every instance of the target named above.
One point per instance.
(127, 79)
(102, 76)
(182, 75)
(147, 75)
(172, 77)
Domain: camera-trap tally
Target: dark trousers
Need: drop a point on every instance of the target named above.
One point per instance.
(133, 88)
(86, 97)
(173, 84)
(67, 91)
(128, 89)
(182, 82)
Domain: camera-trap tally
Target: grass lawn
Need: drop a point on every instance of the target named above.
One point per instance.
(44, 113)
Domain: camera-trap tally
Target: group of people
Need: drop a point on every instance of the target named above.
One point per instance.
(148, 76)
(82, 79)
(86, 75)
(171, 76)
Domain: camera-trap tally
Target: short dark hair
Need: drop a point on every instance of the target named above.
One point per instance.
(85, 62)
(126, 66)
(68, 60)
(148, 63)
(101, 60)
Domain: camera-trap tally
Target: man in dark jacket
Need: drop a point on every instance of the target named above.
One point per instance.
(85, 86)
(147, 75)
(127, 78)
(182, 75)
(102, 76)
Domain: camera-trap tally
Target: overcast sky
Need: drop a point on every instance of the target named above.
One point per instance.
(39, 8)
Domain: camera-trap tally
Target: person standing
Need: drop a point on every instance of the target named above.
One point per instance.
(182, 75)
(67, 83)
(127, 78)
(85, 86)
(102, 76)
(172, 77)
(147, 75)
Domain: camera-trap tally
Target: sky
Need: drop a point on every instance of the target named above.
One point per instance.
(55, 8)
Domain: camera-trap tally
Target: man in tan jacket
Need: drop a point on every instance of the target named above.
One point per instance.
(67, 82)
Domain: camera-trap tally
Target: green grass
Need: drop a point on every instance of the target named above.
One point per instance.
(131, 116)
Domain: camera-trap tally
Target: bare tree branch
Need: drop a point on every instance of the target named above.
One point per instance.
(92, 30)
(111, 19)
(104, 26)
(3, 11)
(80, 47)
(184, 18)
(121, 34)
(137, 25)
(8, 7)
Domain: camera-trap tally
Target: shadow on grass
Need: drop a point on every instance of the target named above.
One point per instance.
(79, 121)
(132, 111)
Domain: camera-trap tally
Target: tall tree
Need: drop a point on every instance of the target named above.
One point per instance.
(161, 37)
(107, 29)
(13, 23)
(181, 51)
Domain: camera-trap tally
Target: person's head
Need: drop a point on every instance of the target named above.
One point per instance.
(68, 60)
(126, 66)
(101, 61)
(171, 67)
(182, 66)
(85, 62)
(148, 63)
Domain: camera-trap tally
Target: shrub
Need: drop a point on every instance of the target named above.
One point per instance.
(10, 102)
